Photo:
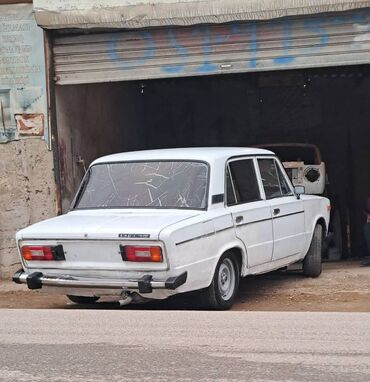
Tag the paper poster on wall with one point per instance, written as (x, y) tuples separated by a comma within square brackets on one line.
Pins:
[(23, 102)]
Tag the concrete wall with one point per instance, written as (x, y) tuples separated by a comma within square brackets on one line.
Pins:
[(27, 194)]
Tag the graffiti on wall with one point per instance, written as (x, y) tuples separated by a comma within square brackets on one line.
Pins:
[(253, 46), (23, 105)]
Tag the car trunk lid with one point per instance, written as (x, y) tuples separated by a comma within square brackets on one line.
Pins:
[(99, 225), (92, 240)]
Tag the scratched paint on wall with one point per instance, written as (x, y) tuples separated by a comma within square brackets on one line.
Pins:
[(312, 41), (23, 104)]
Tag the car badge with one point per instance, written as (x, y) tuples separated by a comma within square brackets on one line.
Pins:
[(133, 236)]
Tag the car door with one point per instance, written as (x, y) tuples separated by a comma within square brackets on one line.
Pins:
[(286, 209), (251, 214)]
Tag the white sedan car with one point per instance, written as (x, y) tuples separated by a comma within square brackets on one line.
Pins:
[(150, 224)]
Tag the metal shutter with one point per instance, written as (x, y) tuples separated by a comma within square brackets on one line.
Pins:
[(303, 42)]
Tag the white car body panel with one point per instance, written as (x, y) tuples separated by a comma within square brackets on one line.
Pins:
[(288, 226), (255, 230), (192, 241)]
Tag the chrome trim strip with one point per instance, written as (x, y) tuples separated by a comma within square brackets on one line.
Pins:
[(206, 235), (196, 238), (272, 218), (225, 229), (252, 222), (237, 225), (283, 216)]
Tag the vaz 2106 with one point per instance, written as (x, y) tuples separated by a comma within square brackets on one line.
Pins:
[(151, 224)]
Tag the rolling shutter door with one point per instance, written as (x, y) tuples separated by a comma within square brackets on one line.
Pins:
[(303, 42)]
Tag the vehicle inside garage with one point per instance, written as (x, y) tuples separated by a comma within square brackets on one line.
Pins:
[(326, 107)]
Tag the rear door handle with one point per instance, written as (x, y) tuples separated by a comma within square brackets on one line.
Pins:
[(239, 219), (276, 211)]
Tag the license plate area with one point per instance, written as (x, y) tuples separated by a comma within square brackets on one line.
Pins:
[(96, 255)]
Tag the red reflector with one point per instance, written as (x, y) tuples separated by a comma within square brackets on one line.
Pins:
[(40, 253), (141, 254)]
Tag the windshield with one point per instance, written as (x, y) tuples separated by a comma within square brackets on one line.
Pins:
[(167, 184)]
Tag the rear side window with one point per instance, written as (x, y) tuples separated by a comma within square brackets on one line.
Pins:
[(244, 178), (273, 179)]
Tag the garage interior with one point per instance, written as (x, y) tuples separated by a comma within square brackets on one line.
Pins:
[(327, 107)]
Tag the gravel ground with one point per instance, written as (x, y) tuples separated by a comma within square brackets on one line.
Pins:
[(342, 287)]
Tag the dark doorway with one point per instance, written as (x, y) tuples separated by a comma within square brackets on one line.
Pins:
[(326, 107)]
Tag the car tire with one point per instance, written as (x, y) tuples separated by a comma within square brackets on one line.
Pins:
[(312, 263), (83, 299), (221, 293)]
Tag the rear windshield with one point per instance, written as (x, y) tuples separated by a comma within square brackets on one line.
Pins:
[(167, 184)]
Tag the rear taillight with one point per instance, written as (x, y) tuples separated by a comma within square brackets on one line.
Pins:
[(141, 254), (42, 252)]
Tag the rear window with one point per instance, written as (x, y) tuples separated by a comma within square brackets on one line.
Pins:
[(161, 184)]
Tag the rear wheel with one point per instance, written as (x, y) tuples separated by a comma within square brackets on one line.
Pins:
[(83, 299), (224, 286), (312, 263)]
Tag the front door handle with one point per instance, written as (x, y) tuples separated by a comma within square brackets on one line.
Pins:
[(238, 219), (276, 211)]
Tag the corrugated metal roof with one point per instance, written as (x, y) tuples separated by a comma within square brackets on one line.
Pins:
[(86, 14)]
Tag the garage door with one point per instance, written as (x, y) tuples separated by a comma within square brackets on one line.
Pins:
[(301, 42)]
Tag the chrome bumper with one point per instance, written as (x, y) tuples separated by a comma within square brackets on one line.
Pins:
[(145, 284)]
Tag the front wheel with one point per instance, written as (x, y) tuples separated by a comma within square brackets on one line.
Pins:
[(312, 263), (224, 286), (82, 299)]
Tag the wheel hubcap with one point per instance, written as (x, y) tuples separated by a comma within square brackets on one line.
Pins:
[(226, 279)]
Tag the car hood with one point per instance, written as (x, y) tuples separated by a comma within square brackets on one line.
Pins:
[(102, 224)]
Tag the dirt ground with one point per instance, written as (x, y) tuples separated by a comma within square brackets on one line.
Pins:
[(342, 287)]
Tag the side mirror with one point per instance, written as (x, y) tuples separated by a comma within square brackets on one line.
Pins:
[(299, 190)]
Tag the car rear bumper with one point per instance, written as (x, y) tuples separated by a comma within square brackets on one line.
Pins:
[(145, 284)]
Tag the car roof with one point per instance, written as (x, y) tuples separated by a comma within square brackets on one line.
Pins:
[(207, 154)]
